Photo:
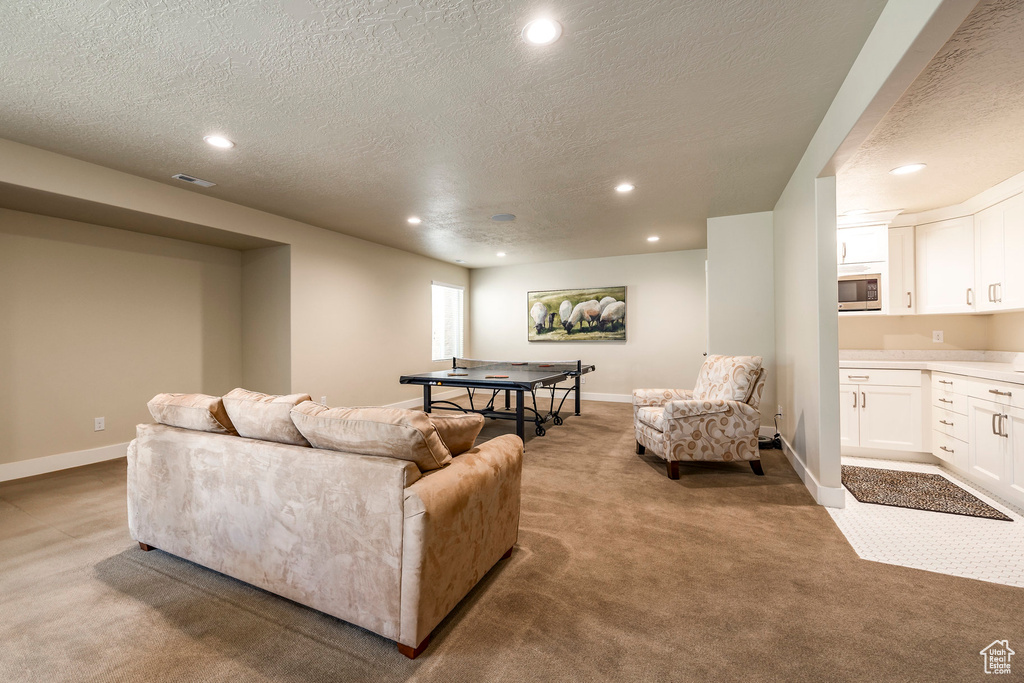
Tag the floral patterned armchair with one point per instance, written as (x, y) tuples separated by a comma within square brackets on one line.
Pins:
[(717, 421)]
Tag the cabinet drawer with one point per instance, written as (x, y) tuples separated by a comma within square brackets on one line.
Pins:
[(1003, 393), (950, 449), (954, 384), (952, 402), (889, 378), (950, 423)]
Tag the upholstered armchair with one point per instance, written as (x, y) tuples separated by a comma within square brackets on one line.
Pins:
[(717, 421)]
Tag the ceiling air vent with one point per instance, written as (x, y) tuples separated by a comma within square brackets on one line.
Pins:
[(193, 180)]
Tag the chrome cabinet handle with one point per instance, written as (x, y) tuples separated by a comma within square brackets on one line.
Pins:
[(991, 293), (854, 398), (844, 252), (1000, 393), (995, 419), (910, 300), (970, 296), (948, 450), (944, 381), (862, 377), (945, 400), (863, 400), (1003, 433), (999, 292), (943, 422)]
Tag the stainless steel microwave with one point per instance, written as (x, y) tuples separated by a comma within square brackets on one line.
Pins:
[(860, 292)]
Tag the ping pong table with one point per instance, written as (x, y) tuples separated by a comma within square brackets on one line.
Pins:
[(526, 379)]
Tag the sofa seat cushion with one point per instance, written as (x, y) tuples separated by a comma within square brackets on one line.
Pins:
[(388, 432), (198, 412), (652, 416), (264, 416), (458, 432)]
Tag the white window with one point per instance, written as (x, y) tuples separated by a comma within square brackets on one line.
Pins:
[(446, 335)]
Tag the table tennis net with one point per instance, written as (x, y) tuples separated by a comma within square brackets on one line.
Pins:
[(532, 366)]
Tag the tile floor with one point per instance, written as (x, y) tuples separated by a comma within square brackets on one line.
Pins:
[(972, 547)]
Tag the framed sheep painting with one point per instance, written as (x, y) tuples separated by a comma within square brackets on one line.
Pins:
[(562, 315)]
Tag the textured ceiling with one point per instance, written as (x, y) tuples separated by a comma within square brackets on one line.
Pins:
[(353, 116), (963, 116)]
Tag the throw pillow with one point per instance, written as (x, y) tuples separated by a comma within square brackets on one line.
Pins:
[(458, 432), (199, 412), (264, 416)]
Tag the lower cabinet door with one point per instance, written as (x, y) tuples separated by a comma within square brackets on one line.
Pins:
[(988, 449), (891, 418), (1015, 426), (849, 415)]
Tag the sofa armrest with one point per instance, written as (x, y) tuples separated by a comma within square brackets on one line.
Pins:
[(659, 397), (459, 521)]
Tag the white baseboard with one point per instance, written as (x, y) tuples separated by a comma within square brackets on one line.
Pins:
[(829, 496), (609, 398), (61, 461), (418, 402)]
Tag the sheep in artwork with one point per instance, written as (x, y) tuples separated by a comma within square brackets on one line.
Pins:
[(605, 302), (613, 315), (564, 311), (592, 312), (574, 319), (585, 311), (539, 313)]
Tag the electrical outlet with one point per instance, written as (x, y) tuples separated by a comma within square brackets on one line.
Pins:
[(583, 380), (937, 336), (99, 424), (778, 410), (323, 399)]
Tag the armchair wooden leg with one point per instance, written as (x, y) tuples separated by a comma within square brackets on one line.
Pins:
[(414, 652), (673, 469), (756, 466), (640, 448), (145, 547)]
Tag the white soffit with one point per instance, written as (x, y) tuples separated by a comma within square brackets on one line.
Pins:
[(963, 117), (353, 116)]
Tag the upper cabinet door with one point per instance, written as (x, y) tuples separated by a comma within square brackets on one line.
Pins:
[(866, 244), (1010, 291), (901, 271), (945, 266), (988, 256)]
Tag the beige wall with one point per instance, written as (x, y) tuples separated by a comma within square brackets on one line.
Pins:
[(665, 318), (266, 320), (892, 333), (741, 297), (97, 320), (1006, 332)]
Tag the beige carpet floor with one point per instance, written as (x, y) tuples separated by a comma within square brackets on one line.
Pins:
[(620, 574)]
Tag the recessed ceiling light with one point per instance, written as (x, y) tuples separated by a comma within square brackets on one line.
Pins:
[(414, 220), (501, 254), (855, 212), (625, 187), (219, 141), (909, 168), (653, 238), (542, 32), (503, 217)]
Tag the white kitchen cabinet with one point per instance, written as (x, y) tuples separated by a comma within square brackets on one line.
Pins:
[(880, 416), (989, 440), (1015, 421), (849, 415), (998, 253), (865, 244), (945, 266), (901, 271)]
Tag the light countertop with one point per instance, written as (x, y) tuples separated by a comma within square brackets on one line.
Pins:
[(998, 370)]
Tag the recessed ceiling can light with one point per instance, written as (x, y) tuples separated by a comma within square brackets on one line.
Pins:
[(503, 217), (458, 260), (625, 187), (909, 168), (414, 220), (501, 254), (653, 238), (219, 141), (542, 32)]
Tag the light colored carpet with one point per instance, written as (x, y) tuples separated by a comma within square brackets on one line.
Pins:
[(620, 574)]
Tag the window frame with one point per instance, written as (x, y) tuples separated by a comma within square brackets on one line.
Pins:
[(460, 341)]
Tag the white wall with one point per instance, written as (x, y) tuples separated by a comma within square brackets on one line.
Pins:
[(266, 320), (95, 321), (741, 297), (908, 33), (665, 318)]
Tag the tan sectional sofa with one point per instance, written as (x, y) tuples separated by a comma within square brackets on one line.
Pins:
[(370, 539)]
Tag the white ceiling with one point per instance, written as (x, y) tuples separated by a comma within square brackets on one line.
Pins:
[(963, 116), (353, 116)]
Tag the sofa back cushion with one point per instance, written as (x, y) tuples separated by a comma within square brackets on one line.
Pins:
[(199, 412), (264, 416), (458, 432), (727, 378), (389, 432)]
